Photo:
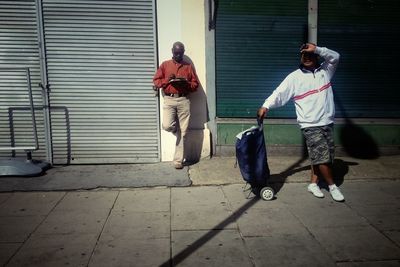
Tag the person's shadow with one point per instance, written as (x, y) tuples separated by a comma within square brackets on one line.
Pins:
[(199, 116), (356, 142), (339, 168)]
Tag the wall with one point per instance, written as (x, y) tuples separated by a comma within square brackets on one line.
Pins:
[(359, 138), (184, 20), (187, 21)]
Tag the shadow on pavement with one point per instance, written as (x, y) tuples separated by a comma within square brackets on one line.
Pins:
[(356, 142), (277, 180), (341, 169), (178, 258)]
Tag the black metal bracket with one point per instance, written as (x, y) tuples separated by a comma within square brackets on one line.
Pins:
[(212, 14)]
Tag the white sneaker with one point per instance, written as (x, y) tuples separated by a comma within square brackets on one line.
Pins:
[(335, 193), (314, 189)]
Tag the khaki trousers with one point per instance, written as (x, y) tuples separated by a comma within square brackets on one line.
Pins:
[(176, 120)]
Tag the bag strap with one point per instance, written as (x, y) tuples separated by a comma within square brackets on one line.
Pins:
[(260, 124)]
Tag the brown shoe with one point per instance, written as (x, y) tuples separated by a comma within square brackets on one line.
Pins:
[(178, 165)]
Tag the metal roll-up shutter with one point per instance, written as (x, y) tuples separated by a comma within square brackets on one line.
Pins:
[(257, 45), (18, 51), (101, 60), (365, 33)]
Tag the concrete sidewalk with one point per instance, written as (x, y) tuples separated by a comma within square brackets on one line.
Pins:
[(202, 226), (214, 171), (210, 223), (286, 169), (88, 177)]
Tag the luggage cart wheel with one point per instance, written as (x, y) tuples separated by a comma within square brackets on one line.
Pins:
[(267, 193)]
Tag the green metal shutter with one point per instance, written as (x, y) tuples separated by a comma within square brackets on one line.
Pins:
[(19, 50), (101, 60), (366, 34), (257, 45)]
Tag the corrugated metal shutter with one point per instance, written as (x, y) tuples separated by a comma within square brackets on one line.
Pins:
[(365, 33), (19, 49), (257, 44), (101, 60)]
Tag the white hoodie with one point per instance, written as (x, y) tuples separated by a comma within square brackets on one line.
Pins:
[(311, 91)]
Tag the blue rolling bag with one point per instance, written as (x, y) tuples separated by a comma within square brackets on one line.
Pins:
[(251, 156)]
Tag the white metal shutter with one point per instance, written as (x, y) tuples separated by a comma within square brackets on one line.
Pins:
[(19, 49), (101, 60)]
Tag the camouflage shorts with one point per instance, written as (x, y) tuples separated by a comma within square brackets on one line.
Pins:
[(320, 144)]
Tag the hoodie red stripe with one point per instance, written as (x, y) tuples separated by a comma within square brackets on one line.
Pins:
[(311, 92)]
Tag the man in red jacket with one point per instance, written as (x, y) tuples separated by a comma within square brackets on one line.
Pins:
[(178, 79)]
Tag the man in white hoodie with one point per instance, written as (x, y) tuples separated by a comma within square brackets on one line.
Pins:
[(311, 90)]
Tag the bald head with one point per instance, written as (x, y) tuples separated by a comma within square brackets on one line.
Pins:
[(178, 45), (178, 49)]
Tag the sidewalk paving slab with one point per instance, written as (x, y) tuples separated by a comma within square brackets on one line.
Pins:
[(144, 200), (191, 208), (222, 170), (390, 263), (55, 250), (210, 223), (65, 222), (17, 229), (299, 249), (7, 250), (30, 203), (128, 251), (355, 243), (87, 201), (196, 248), (295, 229), (137, 225), (87, 177)]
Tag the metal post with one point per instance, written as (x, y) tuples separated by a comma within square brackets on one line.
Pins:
[(44, 82), (312, 21), (28, 79)]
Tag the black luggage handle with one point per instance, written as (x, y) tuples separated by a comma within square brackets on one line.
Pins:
[(260, 123)]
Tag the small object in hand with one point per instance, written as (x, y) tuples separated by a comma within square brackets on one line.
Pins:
[(178, 80)]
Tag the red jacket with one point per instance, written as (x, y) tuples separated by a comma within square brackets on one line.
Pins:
[(179, 70)]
